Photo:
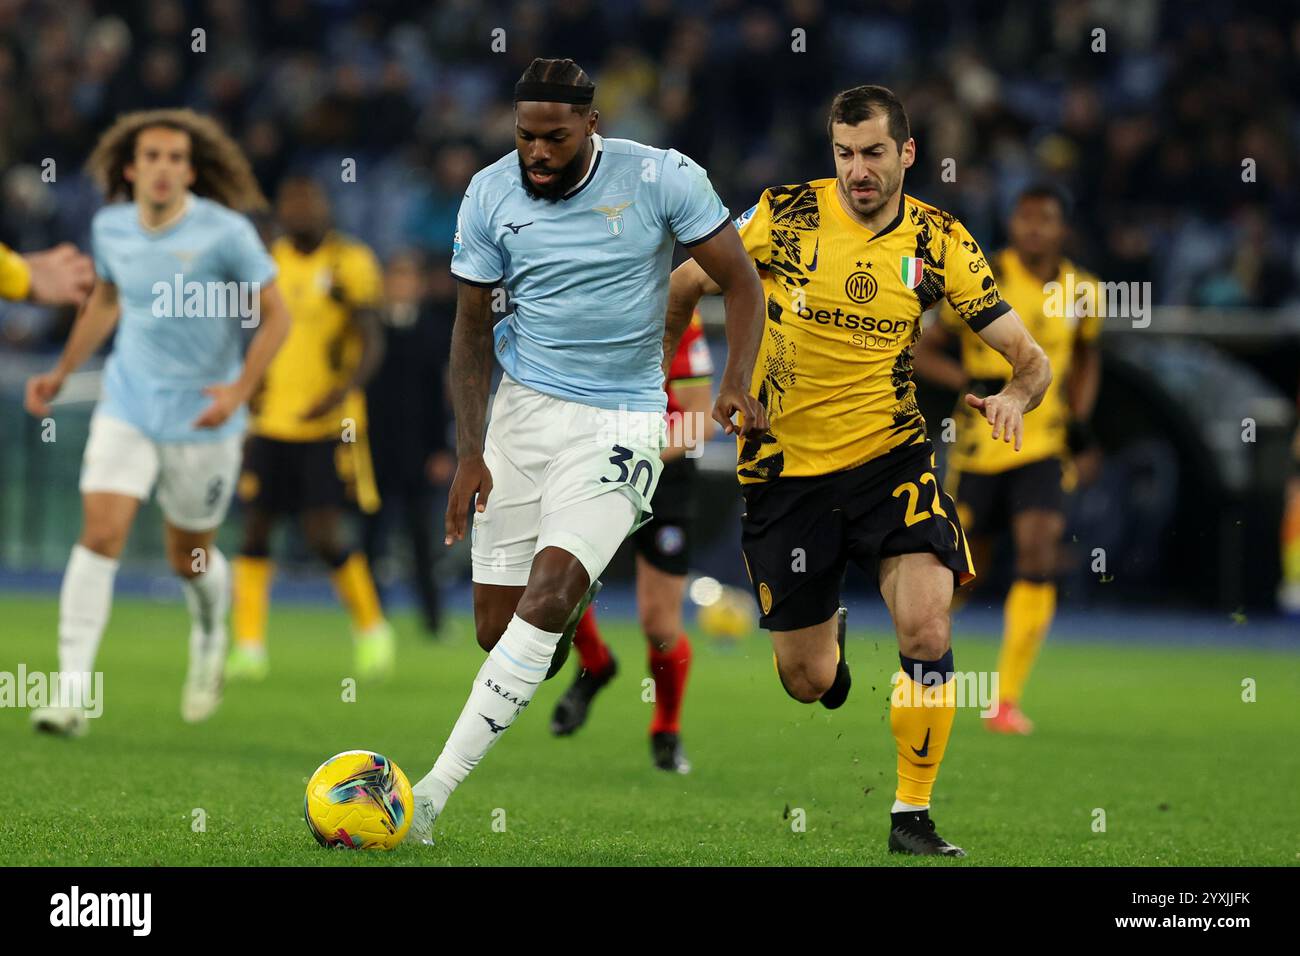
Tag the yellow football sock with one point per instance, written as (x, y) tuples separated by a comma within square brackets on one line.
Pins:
[(921, 718), (1026, 618), (252, 587), (356, 590)]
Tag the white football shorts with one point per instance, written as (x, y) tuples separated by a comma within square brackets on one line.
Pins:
[(564, 475), (195, 479)]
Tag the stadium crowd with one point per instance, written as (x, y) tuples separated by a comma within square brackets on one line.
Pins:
[(1147, 123)]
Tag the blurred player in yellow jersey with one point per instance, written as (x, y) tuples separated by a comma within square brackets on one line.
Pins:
[(306, 453), (993, 485)]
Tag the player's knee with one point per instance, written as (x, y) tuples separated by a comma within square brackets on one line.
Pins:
[(488, 632), (925, 637), (807, 680), (186, 563), (1036, 564), (547, 608), (256, 542), (659, 624), (327, 548), (104, 540)]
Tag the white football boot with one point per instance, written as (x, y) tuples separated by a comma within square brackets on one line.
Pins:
[(60, 721), (422, 819), (202, 692)]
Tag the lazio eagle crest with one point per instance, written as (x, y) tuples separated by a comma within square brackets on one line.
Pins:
[(613, 216)]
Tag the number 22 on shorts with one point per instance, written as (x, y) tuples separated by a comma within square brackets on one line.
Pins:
[(913, 493)]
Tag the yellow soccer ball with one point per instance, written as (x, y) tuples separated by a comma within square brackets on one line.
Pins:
[(359, 800)]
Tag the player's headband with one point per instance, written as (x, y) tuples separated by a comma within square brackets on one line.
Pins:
[(554, 93)]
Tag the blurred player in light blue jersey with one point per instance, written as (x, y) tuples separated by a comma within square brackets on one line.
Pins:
[(580, 231), (178, 274)]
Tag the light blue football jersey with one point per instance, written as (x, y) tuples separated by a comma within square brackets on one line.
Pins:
[(185, 292), (588, 275)]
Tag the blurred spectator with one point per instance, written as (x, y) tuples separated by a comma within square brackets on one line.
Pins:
[(1149, 131), (409, 416)]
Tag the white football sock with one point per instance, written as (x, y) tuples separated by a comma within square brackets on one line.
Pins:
[(207, 595), (504, 686), (901, 807), (85, 600)]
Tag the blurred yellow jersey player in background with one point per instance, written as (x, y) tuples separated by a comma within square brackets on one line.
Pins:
[(993, 485), (306, 453)]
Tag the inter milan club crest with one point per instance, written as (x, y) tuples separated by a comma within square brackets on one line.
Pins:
[(911, 269), (613, 217)]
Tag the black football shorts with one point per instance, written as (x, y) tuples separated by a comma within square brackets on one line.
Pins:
[(799, 533)]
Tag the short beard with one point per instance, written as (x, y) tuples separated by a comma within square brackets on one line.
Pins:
[(568, 178)]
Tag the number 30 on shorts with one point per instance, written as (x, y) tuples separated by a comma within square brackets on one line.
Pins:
[(913, 493), (619, 460)]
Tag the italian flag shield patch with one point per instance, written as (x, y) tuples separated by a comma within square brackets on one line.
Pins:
[(911, 269)]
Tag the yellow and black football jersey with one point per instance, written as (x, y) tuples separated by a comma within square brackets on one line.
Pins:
[(1057, 316), (834, 370), (321, 290)]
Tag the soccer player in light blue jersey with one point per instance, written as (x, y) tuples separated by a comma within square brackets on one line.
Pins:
[(179, 273), (580, 232)]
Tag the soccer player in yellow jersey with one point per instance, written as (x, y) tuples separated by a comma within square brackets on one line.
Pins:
[(306, 453), (991, 483), (848, 265), (59, 276)]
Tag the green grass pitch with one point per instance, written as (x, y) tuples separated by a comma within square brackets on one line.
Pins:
[(1157, 738)]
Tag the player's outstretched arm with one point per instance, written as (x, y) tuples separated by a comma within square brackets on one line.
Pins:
[(59, 276), (93, 325), (724, 259), (272, 329), (1031, 373), (470, 374)]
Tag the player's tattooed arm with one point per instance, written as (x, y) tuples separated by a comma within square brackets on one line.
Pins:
[(272, 329), (470, 376), (729, 268), (92, 327), (1031, 373)]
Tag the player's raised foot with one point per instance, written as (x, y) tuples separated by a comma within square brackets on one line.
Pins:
[(60, 721), (247, 663), (571, 709), (1009, 719), (570, 628), (912, 831), (376, 652), (666, 750), (838, 692)]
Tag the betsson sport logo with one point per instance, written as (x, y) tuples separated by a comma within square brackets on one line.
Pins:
[(74, 908)]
